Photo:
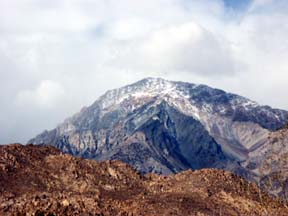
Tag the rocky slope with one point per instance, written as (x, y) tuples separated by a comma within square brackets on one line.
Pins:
[(39, 180), (270, 163), (165, 127)]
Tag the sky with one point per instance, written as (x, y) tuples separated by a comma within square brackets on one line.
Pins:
[(57, 56)]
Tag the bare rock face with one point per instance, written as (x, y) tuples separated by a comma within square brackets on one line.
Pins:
[(40, 180)]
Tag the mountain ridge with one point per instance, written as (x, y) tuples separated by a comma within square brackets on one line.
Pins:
[(40, 180)]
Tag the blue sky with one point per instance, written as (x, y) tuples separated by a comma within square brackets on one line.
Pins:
[(238, 4), (57, 56)]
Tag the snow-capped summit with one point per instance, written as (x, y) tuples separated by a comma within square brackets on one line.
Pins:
[(165, 126)]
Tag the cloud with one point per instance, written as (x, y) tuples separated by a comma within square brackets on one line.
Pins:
[(47, 94), (57, 56), (187, 47), (127, 28)]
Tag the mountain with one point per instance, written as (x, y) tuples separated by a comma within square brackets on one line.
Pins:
[(165, 127), (42, 181)]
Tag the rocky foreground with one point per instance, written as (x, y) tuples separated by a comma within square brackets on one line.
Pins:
[(40, 180)]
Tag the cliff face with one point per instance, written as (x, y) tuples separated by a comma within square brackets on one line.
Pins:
[(165, 127), (41, 180)]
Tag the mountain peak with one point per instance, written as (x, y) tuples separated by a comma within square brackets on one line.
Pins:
[(151, 83), (159, 83), (153, 79), (180, 94)]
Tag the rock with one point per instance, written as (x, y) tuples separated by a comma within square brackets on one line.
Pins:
[(112, 172), (114, 188), (65, 203)]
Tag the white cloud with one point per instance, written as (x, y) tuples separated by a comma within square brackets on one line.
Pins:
[(185, 47), (47, 94), (57, 56), (260, 3), (125, 29)]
